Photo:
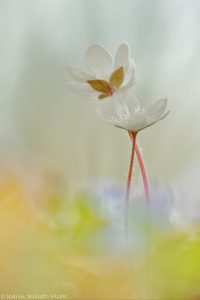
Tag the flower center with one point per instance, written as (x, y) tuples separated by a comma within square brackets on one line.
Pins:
[(105, 88)]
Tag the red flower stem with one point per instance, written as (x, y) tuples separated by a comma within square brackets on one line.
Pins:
[(128, 186), (144, 174), (143, 171)]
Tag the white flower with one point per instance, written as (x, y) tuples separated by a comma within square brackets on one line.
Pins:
[(125, 112), (105, 76)]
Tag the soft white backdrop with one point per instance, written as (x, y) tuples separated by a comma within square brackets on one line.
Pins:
[(59, 131)]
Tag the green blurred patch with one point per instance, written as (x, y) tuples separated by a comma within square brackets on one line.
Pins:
[(175, 264), (76, 222)]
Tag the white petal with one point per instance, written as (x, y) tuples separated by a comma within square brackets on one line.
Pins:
[(137, 122), (162, 117), (150, 122), (99, 61), (108, 118), (132, 102), (78, 75), (122, 56), (157, 109), (132, 64), (121, 107), (82, 89), (128, 85), (129, 74)]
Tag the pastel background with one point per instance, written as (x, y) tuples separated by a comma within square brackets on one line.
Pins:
[(63, 170), (45, 126)]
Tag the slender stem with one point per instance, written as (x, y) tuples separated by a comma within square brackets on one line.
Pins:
[(133, 138), (144, 174), (143, 171), (147, 196)]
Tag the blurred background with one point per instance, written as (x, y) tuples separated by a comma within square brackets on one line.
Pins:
[(49, 135), (54, 148)]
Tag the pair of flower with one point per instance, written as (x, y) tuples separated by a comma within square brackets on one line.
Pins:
[(115, 80), (106, 78)]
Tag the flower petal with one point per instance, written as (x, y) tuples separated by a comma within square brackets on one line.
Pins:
[(132, 64), (107, 118), (150, 122), (78, 75), (117, 78), (103, 96), (99, 61), (121, 107), (163, 116), (132, 102), (100, 85), (130, 73), (122, 56), (82, 89), (137, 122), (128, 85), (157, 109)]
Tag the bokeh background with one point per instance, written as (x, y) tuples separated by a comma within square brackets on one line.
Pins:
[(63, 171), (47, 131)]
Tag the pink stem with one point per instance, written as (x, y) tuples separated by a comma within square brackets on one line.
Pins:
[(143, 171), (133, 138), (144, 174)]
